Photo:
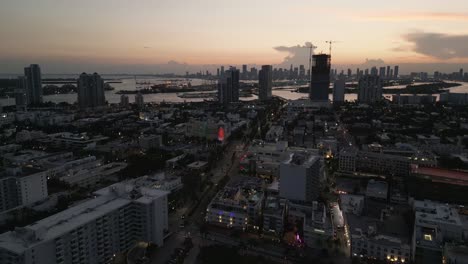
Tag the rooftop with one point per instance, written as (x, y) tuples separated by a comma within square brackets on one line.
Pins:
[(108, 199)]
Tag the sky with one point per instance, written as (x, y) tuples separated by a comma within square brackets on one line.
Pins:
[(161, 35)]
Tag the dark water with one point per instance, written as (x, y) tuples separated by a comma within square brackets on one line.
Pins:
[(128, 83)]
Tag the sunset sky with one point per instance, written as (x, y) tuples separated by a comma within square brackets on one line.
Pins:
[(145, 32)]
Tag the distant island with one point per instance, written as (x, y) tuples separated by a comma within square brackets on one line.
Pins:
[(168, 88), (427, 88)]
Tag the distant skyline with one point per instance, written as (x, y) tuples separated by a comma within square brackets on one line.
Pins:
[(118, 36)]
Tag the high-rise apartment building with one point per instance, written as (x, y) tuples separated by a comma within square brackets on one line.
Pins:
[(228, 87), (33, 84), (245, 72), (265, 82), (370, 89), (302, 73), (90, 91), (339, 90), (382, 72), (21, 94), (139, 100)]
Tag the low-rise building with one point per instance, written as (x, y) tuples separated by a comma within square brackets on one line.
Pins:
[(274, 215), (435, 224), (150, 141), (238, 205), (377, 190), (317, 226), (381, 239), (73, 141)]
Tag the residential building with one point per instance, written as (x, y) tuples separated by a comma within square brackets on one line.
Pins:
[(139, 100), (90, 91), (93, 231), (228, 87), (265, 82), (434, 225), (20, 186), (238, 205), (33, 84), (301, 175), (369, 89), (339, 90), (21, 94)]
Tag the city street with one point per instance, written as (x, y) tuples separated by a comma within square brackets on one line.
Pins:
[(225, 166)]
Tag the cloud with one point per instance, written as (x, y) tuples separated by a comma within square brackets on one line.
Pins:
[(400, 48), (441, 46), (297, 55), (412, 16), (373, 62), (147, 47)]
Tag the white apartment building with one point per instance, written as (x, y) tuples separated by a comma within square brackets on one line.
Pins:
[(93, 231), (21, 186), (352, 160), (70, 140), (301, 176)]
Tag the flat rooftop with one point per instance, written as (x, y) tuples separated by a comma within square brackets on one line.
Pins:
[(54, 226)]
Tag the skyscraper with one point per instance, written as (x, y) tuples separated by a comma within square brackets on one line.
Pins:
[(265, 82), (349, 73), (124, 101), (245, 73), (461, 74), (301, 72), (90, 91), (382, 72), (21, 94), (139, 100), (370, 89), (374, 71), (388, 72), (33, 83), (395, 72), (320, 81), (253, 73), (339, 90), (228, 87), (222, 71)]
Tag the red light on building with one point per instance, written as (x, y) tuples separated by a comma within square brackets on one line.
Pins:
[(221, 134)]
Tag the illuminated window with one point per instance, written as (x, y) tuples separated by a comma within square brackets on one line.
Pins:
[(428, 237)]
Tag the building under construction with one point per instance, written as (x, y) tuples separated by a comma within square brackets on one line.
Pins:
[(320, 81)]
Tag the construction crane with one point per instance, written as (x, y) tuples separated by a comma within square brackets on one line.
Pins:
[(311, 48), (330, 42)]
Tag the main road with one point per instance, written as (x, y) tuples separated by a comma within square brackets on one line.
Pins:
[(227, 165)]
